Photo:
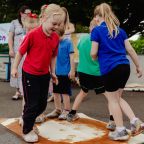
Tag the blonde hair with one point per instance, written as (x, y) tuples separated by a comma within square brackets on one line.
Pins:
[(67, 20), (43, 7), (92, 24), (104, 10), (67, 24), (55, 10)]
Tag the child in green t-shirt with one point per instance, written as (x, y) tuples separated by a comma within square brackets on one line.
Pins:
[(89, 76)]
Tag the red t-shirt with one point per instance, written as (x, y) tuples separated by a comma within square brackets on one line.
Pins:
[(40, 49)]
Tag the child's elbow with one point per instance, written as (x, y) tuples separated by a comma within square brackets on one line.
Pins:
[(93, 56)]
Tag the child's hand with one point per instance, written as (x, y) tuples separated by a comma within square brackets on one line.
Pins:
[(14, 73), (54, 78), (71, 75), (77, 81), (139, 72)]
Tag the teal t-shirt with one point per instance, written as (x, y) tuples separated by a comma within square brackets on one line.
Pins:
[(86, 64)]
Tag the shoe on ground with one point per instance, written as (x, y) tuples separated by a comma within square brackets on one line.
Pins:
[(137, 127), (111, 125), (31, 137), (54, 114), (40, 119), (63, 115), (116, 135), (72, 117), (16, 97)]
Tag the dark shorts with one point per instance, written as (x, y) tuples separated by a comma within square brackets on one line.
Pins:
[(64, 85), (117, 78), (91, 82)]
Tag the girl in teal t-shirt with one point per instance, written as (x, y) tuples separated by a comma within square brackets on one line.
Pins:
[(89, 76)]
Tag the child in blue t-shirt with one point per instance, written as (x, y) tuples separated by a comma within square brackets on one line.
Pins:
[(110, 44), (65, 71)]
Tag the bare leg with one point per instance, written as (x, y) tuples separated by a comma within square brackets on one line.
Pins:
[(18, 91), (114, 103), (126, 107), (58, 107), (109, 108), (57, 101), (66, 100), (79, 99)]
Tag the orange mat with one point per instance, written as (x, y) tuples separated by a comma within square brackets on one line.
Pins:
[(15, 128)]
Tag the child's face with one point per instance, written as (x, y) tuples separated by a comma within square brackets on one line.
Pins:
[(51, 24), (97, 19)]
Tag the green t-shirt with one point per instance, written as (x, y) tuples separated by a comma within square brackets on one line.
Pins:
[(86, 64)]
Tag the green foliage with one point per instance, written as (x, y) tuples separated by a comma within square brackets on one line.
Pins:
[(81, 29), (129, 12), (138, 45), (4, 49)]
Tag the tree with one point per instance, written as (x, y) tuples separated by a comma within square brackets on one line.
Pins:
[(129, 12)]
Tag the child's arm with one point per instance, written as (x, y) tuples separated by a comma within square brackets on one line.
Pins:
[(17, 60), (52, 68), (94, 50), (134, 57), (72, 66)]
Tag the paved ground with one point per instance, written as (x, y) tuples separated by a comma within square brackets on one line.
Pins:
[(94, 106), (133, 77)]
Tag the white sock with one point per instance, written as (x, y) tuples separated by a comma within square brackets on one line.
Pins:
[(119, 129), (133, 120)]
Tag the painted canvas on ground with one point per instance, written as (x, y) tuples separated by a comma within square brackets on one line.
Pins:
[(83, 131)]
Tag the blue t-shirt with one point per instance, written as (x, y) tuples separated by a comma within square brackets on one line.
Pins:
[(111, 51), (63, 58)]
